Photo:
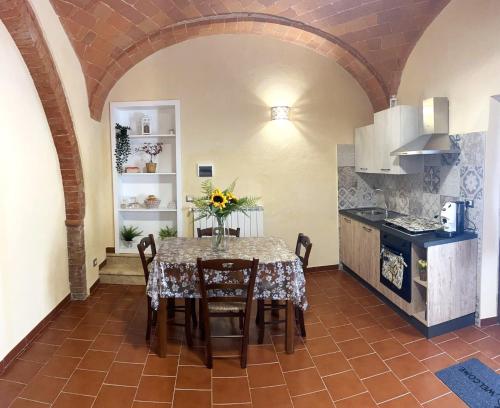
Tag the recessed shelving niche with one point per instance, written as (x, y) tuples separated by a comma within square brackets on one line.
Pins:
[(165, 184)]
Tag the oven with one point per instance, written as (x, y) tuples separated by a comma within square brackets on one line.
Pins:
[(395, 245)]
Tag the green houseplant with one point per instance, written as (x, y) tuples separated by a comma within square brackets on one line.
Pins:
[(167, 232), (128, 233), (153, 150), (122, 147)]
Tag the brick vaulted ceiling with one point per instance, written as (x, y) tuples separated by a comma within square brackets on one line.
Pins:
[(371, 39)]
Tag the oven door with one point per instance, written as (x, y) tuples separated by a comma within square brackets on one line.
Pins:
[(405, 290)]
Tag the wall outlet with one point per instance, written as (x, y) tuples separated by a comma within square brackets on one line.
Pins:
[(94, 262), (189, 199), (469, 203)]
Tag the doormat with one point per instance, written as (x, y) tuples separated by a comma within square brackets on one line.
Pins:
[(476, 384)]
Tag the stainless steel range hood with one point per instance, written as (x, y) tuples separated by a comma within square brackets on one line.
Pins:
[(435, 138)]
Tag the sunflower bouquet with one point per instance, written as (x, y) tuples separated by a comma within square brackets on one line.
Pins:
[(219, 204)]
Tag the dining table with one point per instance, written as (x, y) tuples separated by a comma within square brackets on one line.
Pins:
[(173, 274)]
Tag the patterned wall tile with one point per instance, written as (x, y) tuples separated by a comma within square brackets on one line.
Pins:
[(472, 149), (431, 205), (450, 159), (471, 182), (450, 181), (347, 177), (345, 155), (403, 201), (445, 198), (432, 179)]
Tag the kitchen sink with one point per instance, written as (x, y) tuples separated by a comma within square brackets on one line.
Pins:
[(374, 214), (371, 212)]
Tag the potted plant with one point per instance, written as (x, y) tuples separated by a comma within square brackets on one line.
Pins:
[(220, 204), (122, 147), (128, 233), (167, 232), (153, 150)]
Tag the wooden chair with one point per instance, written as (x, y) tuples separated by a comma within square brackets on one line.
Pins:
[(188, 309), (303, 242), (214, 303), (207, 232)]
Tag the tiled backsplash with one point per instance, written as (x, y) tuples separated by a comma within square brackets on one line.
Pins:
[(445, 178)]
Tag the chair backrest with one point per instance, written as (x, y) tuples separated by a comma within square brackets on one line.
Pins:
[(234, 271), (303, 241), (207, 232), (144, 244)]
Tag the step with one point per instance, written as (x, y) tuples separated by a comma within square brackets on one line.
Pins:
[(125, 269)]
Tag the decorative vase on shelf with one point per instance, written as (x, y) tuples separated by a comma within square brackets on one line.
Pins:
[(219, 241), (146, 125), (128, 244), (151, 167)]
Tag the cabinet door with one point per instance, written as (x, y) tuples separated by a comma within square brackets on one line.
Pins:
[(347, 242), (393, 128), (363, 149), (367, 241), (381, 134)]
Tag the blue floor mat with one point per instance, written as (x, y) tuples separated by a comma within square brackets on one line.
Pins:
[(476, 384)]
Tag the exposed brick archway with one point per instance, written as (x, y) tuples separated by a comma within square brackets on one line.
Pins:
[(371, 39), (20, 21), (282, 29)]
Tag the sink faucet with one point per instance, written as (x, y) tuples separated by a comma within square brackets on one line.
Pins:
[(379, 190)]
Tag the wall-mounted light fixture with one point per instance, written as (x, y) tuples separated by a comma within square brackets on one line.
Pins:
[(280, 113)]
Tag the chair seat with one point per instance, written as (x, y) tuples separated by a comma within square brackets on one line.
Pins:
[(226, 307)]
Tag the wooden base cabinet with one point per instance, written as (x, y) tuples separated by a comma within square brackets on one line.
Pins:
[(450, 289), (444, 301), (360, 249), (367, 251), (347, 247)]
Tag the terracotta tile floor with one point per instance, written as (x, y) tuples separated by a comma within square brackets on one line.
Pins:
[(358, 353)]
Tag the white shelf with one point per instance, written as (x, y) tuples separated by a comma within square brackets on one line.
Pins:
[(166, 183), (148, 136), (420, 282), (147, 209), (148, 174)]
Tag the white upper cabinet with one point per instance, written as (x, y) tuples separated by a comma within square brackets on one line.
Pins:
[(392, 128), (363, 147)]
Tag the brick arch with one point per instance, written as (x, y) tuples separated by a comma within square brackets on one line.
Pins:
[(101, 82), (371, 39), (19, 19)]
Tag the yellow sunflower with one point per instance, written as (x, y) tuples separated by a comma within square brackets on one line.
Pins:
[(218, 199), (231, 197)]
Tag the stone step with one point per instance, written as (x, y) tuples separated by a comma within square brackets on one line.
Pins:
[(125, 269)]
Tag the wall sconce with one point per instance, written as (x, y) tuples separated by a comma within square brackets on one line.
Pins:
[(280, 113)]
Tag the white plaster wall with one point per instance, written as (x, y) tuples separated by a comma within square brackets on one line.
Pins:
[(458, 56), (226, 86), (33, 250), (491, 221)]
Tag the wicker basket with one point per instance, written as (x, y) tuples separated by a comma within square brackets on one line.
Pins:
[(152, 202)]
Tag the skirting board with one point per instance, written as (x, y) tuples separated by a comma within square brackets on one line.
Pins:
[(428, 332), (490, 321), (322, 268), (32, 335)]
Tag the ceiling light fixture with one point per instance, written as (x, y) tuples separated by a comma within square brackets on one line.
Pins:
[(280, 113)]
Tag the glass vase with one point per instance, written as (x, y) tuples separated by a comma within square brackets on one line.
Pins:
[(219, 239)]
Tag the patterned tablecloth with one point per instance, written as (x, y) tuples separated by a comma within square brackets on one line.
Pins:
[(173, 271)]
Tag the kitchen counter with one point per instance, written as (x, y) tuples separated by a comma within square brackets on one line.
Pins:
[(422, 240)]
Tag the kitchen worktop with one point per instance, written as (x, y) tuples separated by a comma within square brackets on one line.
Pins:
[(424, 240)]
